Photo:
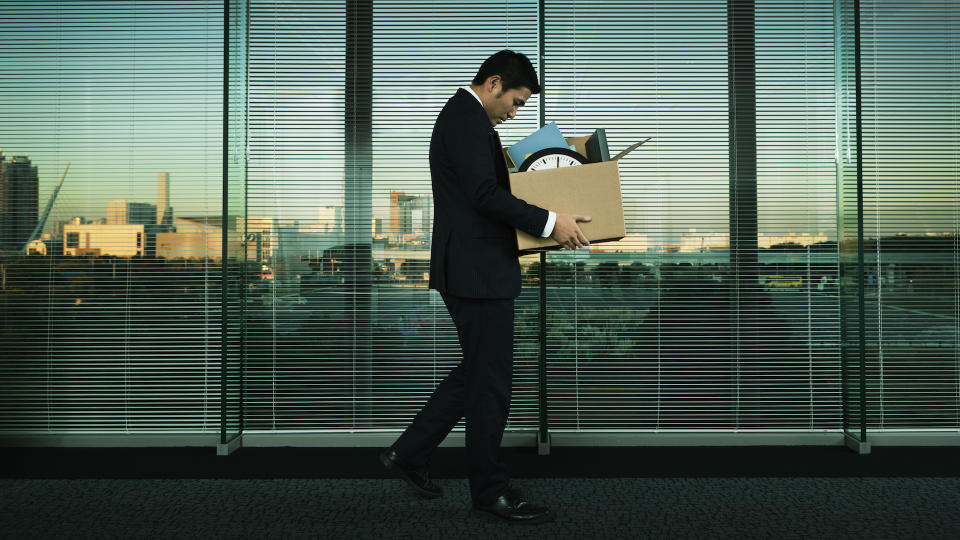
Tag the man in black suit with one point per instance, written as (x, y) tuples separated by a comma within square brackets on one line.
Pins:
[(474, 266)]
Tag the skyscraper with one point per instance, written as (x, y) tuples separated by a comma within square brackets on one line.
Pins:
[(19, 183), (164, 212), (123, 212), (421, 212), (401, 219), (330, 219)]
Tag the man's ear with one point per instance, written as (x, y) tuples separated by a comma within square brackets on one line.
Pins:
[(492, 82)]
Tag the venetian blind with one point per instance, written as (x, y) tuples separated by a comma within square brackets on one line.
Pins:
[(656, 331), (422, 54), (343, 97), (111, 318), (911, 164), (299, 347)]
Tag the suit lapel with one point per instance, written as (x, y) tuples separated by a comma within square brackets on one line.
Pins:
[(501, 164)]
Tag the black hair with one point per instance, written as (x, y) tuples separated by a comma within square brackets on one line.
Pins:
[(514, 69)]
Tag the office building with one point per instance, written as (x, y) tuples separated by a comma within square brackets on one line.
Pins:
[(99, 239), (400, 218), (163, 210), (123, 212), (19, 182), (196, 238), (410, 214)]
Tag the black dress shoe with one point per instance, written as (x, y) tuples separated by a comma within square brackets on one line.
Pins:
[(512, 507), (415, 476)]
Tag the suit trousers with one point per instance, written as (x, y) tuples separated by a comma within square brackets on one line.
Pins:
[(478, 389)]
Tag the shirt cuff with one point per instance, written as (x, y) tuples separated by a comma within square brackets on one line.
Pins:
[(551, 221)]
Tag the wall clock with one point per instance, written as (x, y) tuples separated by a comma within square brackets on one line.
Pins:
[(551, 158)]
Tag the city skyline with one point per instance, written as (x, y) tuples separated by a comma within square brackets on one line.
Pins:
[(386, 214), (149, 100)]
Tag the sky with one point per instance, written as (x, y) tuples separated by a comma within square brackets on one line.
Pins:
[(124, 90)]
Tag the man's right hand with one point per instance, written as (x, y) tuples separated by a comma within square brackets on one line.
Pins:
[(567, 233)]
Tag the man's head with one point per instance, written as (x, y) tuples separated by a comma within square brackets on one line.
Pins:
[(504, 83)]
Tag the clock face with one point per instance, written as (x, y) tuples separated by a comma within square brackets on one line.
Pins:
[(551, 158)]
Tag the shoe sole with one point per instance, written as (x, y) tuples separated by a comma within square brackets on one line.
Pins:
[(490, 516), (418, 491)]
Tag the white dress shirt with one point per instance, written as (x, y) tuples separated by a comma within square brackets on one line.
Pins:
[(552, 218)]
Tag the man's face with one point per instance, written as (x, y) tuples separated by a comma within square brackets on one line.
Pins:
[(504, 105)]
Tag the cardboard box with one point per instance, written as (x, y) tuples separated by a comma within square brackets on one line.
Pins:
[(592, 190)]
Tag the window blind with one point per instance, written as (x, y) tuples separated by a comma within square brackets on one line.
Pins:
[(794, 382), (413, 78), (314, 182), (629, 346), (112, 315), (911, 143), (299, 345), (314, 360), (648, 333), (664, 369)]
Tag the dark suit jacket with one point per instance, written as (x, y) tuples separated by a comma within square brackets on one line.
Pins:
[(474, 250)]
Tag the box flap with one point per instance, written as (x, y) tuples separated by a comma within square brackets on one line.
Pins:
[(630, 148), (506, 157)]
